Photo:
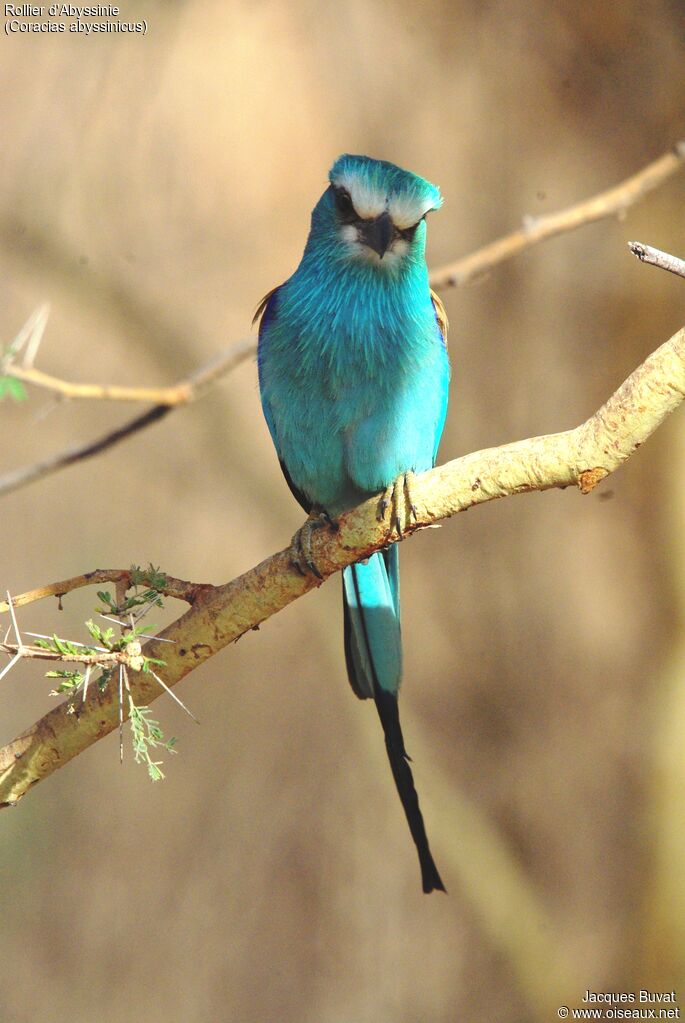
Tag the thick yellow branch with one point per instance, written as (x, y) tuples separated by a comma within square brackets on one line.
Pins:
[(219, 616)]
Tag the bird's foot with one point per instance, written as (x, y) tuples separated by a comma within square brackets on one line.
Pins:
[(303, 559), (397, 498)]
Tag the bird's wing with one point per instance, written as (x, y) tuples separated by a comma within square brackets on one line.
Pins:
[(443, 325), (263, 317), (440, 315), (262, 314), (261, 308)]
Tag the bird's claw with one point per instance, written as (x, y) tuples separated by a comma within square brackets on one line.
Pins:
[(303, 558), (398, 497)]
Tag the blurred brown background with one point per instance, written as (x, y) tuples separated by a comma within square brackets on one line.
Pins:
[(152, 189)]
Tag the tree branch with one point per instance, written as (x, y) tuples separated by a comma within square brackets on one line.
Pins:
[(664, 260), (185, 392), (182, 393), (581, 457), (178, 588), (615, 201), (106, 657), (78, 452)]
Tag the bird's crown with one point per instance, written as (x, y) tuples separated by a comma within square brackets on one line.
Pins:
[(376, 186)]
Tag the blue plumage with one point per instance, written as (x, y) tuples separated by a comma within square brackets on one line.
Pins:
[(354, 374)]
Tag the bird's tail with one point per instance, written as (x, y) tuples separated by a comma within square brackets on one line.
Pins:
[(373, 651)]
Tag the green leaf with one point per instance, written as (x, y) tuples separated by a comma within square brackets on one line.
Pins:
[(71, 681), (61, 645), (104, 679), (10, 387), (147, 735), (106, 599), (149, 661), (94, 630), (152, 577)]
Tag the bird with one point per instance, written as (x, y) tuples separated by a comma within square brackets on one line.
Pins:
[(354, 373)]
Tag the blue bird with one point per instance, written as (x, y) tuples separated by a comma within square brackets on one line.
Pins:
[(354, 374)]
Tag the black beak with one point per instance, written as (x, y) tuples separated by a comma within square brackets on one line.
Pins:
[(378, 233)]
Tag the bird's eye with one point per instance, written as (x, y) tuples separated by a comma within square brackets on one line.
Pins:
[(408, 232), (343, 201)]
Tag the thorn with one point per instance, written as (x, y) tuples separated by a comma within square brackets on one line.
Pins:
[(24, 335), (40, 635), (173, 695), (108, 618), (40, 319), (9, 666), (121, 714), (14, 618), (86, 681)]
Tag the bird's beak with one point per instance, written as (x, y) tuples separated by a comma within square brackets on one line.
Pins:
[(378, 233)]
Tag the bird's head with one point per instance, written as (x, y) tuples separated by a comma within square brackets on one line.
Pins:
[(374, 212)]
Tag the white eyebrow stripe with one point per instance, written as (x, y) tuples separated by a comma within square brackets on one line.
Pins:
[(368, 202), (405, 210)]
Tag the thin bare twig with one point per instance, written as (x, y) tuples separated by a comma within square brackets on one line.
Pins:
[(178, 588), (28, 474), (186, 392), (655, 257), (581, 457), (182, 393), (614, 202)]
